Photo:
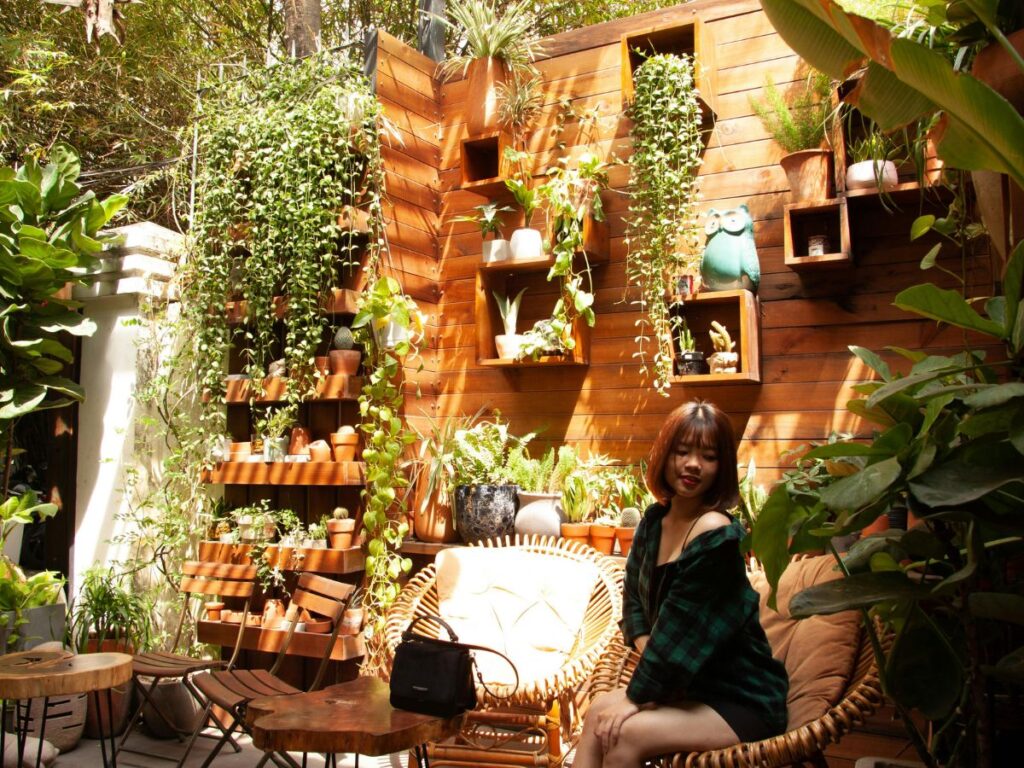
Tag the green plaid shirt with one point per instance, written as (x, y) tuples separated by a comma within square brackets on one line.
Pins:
[(706, 641)]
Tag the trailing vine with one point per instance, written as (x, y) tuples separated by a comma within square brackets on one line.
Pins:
[(662, 232), (282, 151)]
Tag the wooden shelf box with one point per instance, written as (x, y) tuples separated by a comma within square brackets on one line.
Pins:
[(801, 221), (287, 473), (693, 38), (738, 311), (484, 167)]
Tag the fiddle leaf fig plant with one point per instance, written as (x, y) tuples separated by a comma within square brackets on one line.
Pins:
[(662, 231)]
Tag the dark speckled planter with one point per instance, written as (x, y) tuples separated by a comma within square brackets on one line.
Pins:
[(484, 511)]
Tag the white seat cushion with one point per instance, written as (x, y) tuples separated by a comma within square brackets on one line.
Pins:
[(528, 605)]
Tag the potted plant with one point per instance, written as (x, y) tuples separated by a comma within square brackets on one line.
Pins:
[(577, 505), (509, 342), (344, 443), (272, 428), (316, 535), (344, 357), (629, 519), (724, 359), (494, 44), (800, 123), (488, 219), (690, 361), (289, 527), (340, 529), (540, 489), (224, 533), (872, 163), (485, 500), (527, 243), (393, 319)]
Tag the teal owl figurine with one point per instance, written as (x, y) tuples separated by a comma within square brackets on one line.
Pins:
[(730, 254)]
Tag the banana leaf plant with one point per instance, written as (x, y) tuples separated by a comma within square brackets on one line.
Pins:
[(950, 446), (48, 239)]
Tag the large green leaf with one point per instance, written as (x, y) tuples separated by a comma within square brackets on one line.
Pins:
[(945, 306), (922, 671), (998, 606), (771, 534), (856, 491), (960, 479), (25, 400), (858, 590), (995, 395), (64, 386)]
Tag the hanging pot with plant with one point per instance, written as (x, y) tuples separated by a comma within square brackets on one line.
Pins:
[(527, 243)]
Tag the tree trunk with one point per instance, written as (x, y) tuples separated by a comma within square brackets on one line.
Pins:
[(301, 27)]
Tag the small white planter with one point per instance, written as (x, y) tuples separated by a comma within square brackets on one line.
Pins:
[(527, 244), (390, 335), (496, 250), (872, 174), (275, 448), (508, 345)]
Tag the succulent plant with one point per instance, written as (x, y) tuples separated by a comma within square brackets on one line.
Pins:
[(340, 513), (630, 517), (343, 338)]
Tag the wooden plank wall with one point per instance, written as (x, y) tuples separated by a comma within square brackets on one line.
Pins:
[(807, 322)]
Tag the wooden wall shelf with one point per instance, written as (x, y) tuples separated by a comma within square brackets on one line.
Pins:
[(287, 473), (691, 37), (333, 387), (330, 561), (342, 302), (308, 644), (738, 311), (823, 217), (484, 168)]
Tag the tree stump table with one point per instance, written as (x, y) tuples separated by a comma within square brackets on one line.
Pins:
[(356, 716), (41, 674)]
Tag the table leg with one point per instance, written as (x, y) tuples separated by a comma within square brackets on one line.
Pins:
[(110, 725), (42, 730), (3, 728), (21, 726)]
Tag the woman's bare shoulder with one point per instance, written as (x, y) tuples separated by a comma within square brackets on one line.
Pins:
[(710, 521)]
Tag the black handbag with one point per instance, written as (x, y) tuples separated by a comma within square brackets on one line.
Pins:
[(434, 676)]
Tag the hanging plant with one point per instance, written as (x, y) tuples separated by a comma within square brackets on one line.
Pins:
[(662, 232), (281, 152), (389, 325)]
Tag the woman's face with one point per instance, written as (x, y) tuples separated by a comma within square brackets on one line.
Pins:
[(690, 469)]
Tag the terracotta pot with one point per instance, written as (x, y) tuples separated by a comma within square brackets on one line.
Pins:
[(299, 444), (213, 610), (240, 451), (810, 174), (351, 621), (602, 538), (576, 532), (482, 109), (339, 533), (319, 450), (345, 361), (624, 536), (994, 67), (345, 446), (322, 363), (319, 626), (432, 520), (273, 612), (881, 524)]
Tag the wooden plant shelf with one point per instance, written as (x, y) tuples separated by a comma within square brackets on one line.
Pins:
[(341, 302), (483, 164), (821, 217), (309, 644), (691, 37), (738, 311), (287, 473), (336, 562), (333, 387)]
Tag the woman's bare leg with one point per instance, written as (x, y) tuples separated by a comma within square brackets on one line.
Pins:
[(589, 753)]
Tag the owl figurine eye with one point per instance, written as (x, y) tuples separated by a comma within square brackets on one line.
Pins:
[(734, 221), (713, 224)]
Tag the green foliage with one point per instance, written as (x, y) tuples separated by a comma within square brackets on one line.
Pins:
[(480, 453), (534, 475), (487, 32), (435, 457), (752, 496), (488, 218), (48, 238), (950, 447), (686, 341), (662, 231), (801, 118), (519, 101), (109, 609), (509, 310), (281, 152), (875, 145), (526, 197), (276, 421)]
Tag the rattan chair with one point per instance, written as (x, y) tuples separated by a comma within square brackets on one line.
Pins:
[(155, 667), (809, 731), (538, 721), (231, 690)]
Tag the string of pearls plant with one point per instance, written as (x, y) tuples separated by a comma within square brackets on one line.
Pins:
[(662, 232)]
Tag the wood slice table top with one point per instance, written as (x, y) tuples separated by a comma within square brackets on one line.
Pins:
[(34, 674), (356, 716)]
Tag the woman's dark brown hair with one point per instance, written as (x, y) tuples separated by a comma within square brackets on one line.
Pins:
[(703, 424)]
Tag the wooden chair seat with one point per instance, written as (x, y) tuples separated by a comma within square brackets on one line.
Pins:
[(230, 688), (162, 664)]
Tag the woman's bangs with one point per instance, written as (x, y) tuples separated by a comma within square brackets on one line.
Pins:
[(699, 432)]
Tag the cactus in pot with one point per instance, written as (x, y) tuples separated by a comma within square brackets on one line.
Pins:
[(340, 529), (344, 357)]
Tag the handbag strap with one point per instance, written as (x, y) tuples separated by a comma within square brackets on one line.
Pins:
[(408, 634)]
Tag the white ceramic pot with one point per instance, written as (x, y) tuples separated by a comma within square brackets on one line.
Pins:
[(508, 345), (275, 448), (526, 244), (496, 250), (391, 334), (869, 174), (539, 514)]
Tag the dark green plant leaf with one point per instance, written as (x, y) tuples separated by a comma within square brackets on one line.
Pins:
[(930, 301), (995, 395), (857, 490), (771, 533), (1009, 669), (997, 605), (858, 590), (873, 361), (922, 672), (957, 481), (921, 226), (858, 559)]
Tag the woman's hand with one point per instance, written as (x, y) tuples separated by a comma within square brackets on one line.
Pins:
[(641, 642), (611, 718)]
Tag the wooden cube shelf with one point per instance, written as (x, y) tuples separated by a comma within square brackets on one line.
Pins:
[(693, 38), (286, 473), (317, 560), (483, 164), (511, 277), (801, 221), (738, 311), (331, 387)]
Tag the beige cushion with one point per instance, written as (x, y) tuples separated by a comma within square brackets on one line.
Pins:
[(819, 652), (528, 605)]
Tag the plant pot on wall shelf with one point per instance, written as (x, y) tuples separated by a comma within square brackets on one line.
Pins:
[(482, 78), (810, 173), (738, 311)]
